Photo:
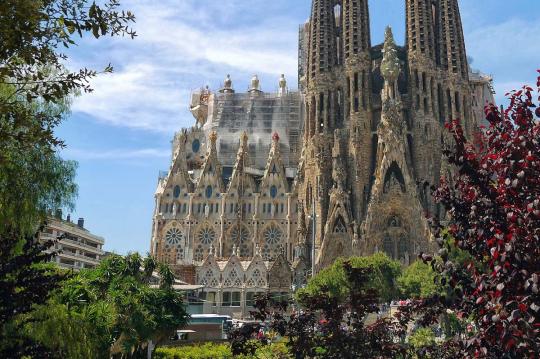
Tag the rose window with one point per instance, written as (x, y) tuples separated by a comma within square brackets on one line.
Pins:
[(273, 235), (239, 235), (174, 236), (207, 236)]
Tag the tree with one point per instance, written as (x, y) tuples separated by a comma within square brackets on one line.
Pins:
[(494, 211), (114, 309), (418, 281), (331, 326), (31, 63), (35, 92), (383, 273)]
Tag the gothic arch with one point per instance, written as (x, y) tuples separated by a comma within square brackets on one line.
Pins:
[(233, 274), (339, 226), (394, 173), (209, 274)]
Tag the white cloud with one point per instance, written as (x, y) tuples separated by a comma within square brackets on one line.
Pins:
[(179, 48)]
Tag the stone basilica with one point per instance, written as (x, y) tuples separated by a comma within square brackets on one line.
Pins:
[(269, 185)]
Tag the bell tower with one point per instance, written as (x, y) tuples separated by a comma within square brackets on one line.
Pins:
[(425, 122), (358, 99)]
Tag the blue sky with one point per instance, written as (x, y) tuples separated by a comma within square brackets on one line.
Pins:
[(121, 134)]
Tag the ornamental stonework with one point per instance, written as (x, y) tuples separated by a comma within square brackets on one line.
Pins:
[(340, 167)]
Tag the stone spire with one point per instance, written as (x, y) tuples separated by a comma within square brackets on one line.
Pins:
[(390, 67), (453, 56), (240, 181), (356, 29), (323, 38), (420, 30)]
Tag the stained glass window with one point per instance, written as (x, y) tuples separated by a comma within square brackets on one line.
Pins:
[(273, 235), (174, 236), (196, 145), (209, 191), (176, 191), (273, 191), (206, 236)]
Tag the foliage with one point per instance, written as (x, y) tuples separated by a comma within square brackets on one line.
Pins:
[(31, 62), (383, 273), (24, 280), (330, 326), (422, 337), (418, 281), (494, 209), (35, 92), (114, 307), (221, 351), (422, 341), (204, 351)]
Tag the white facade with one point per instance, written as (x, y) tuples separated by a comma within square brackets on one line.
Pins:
[(78, 247)]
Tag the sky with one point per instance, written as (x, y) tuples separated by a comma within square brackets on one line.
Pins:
[(121, 134)]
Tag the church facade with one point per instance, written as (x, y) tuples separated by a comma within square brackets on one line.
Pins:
[(267, 187)]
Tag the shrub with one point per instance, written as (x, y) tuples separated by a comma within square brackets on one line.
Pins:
[(221, 351), (203, 351)]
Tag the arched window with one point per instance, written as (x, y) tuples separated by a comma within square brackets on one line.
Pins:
[(339, 226), (233, 279)]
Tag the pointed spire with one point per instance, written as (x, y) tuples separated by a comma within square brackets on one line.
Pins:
[(390, 66), (420, 29), (355, 27), (453, 56), (323, 38), (239, 180), (210, 178)]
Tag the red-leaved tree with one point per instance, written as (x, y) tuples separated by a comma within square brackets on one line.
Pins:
[(493, 207)]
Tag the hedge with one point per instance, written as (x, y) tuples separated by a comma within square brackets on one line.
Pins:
[(219, 351)]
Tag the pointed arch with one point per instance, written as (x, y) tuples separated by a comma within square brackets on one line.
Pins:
[(339, 226), (393, 174), (233, 274)]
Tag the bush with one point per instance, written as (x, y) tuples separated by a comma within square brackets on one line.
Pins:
[(220, 351), (383, 274), (203, 351)]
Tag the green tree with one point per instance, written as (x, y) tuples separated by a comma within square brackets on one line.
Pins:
[(333, 279), (35, 92), (114, 309), (418, 281)]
